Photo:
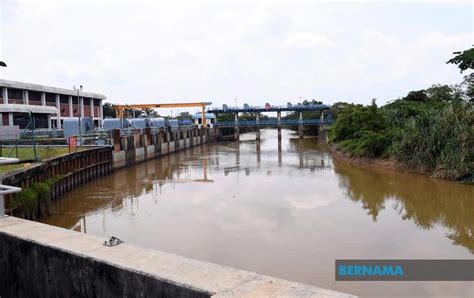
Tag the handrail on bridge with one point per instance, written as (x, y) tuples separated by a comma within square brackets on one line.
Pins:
[(247, 108), (274, 122)]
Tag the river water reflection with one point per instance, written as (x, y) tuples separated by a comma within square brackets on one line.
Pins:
[(285, 210)]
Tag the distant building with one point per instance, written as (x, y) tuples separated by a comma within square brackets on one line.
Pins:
[(49, 105), (210, 119)]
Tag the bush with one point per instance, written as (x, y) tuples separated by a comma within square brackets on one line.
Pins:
[(370, 144), (27, 199), (439, 141), (42, 190)]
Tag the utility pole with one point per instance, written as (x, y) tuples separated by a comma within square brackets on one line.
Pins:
[(79, 114)]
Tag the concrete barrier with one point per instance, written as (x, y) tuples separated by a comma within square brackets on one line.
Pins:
[(139, 147), (41, 260)]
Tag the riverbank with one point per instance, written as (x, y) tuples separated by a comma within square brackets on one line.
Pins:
[(386, 164)]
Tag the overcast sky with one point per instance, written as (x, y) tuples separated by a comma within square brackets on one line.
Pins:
[(257, 52)]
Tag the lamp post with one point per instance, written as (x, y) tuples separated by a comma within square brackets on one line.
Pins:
[(79, 114)]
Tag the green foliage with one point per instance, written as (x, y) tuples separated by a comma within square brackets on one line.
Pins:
[(440, 92), (419, 95), (464, 60), (433, 134), (467, 87), (439, 141), (184, 116), (42, 189), (361, 131), (108, 110), (369, 144), (27, 199)]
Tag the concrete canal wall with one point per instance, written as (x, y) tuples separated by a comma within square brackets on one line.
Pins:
[(46, 261), (140, 147), (67, 172)]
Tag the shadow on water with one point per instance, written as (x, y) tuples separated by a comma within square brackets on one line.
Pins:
[(427, 202)]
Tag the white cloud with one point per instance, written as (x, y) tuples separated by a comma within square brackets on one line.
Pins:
[(310, 40), (256, 51)]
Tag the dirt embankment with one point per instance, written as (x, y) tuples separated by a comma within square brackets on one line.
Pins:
[(388, 164)]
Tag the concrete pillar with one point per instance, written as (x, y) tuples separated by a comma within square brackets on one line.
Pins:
[(279, 124), (322, 127), (5, 95), (300, 126), (258, 153), (1, 119), (92, 108), (168, 137), (100, 112), (81, 106), (26, 97), (49, 121), (71, 109), (257, 135), (10, 119), (58, 115), (279, 153), (43, 98)]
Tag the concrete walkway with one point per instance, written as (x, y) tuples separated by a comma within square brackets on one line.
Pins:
[(38, 258)]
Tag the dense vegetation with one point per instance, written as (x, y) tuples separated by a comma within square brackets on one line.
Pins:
[(428, 130)]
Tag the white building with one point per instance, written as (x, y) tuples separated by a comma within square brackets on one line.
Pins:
[(210, 119), (49, 105)]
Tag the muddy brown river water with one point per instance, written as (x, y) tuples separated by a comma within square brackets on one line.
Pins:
[(285, 210)]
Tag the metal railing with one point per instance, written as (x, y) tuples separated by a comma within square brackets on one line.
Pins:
[(251, 109), (5, 190), (274, 122)]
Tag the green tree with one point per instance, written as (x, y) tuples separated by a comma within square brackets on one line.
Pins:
[(441, 92), (184, 116), (464, 60), (108, 110), (419, 95)]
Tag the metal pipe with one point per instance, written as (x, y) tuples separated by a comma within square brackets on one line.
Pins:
[(5, 190)]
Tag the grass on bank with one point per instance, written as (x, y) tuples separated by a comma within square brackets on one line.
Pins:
[(26, 154)]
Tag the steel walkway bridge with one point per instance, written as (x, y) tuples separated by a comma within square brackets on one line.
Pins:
[(259, 109), (274, 122), (226, 126)]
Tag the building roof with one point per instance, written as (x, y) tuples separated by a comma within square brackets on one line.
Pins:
[(48, 89), (208, 116), (16, 108)]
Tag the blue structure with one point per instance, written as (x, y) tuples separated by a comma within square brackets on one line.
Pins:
[(278, 122), (114, 123), (258, 109), (274, 122), (71, 126), (210, 119)]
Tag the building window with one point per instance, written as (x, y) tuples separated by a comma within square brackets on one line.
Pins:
[(15, 96), (5, 119), (22, 120), (34, 98), (51, 99), (64, 99)]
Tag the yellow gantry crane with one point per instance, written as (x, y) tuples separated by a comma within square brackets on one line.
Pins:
[(120, 109)]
